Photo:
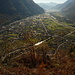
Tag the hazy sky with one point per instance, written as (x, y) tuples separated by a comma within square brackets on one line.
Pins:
[(47, 1)]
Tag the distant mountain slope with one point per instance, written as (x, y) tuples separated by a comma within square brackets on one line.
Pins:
[(47, 6), (11, 10), (69, 10), (57, 7), (63, 5)]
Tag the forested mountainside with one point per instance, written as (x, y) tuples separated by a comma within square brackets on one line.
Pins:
[(63, 5), (11, 10), (69, 10)]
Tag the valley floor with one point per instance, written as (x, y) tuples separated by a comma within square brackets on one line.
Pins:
[(38, 45)]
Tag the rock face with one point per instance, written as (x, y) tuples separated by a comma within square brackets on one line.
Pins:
[(11, 10)]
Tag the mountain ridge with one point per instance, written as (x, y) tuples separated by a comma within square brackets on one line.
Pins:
[(17, 9), (69, 10), (47, 6)]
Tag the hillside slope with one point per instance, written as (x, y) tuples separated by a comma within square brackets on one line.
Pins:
[(63, 5), (69, 10), (11, 10)]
